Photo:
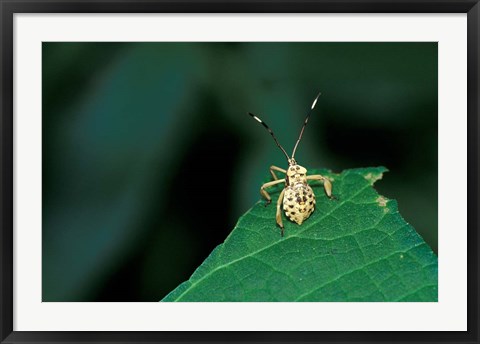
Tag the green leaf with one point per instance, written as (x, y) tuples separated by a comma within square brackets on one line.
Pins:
[(356, 247)]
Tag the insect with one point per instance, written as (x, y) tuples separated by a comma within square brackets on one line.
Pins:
[(297, 197)]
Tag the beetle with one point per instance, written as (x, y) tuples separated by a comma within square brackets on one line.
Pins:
[(297, 196)]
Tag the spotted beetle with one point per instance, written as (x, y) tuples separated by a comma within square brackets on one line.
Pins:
[(297, 197)]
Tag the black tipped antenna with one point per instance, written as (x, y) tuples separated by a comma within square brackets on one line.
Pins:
[(270, 131), (305, 123)]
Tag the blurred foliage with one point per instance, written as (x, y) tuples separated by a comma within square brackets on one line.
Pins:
[(149, 157), (354, 247)]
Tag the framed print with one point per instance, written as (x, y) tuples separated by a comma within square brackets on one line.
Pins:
[(146, 199)]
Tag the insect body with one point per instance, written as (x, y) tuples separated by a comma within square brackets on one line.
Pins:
[(297, 198)]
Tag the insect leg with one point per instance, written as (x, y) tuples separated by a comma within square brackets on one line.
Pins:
[(275, 168), (327, 185), (267, 185), (278, 217)]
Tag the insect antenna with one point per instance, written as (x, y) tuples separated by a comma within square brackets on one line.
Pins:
[(305, 123), (271, 133)]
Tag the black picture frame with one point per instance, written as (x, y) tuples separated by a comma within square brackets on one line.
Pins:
[(10, 7)]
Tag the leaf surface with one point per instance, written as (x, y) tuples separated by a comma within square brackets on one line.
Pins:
[(356, 247)]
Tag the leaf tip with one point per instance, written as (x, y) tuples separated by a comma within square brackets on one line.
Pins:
[(375, 174)]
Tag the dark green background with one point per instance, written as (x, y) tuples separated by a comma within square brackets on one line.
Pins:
[(149, 157)]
